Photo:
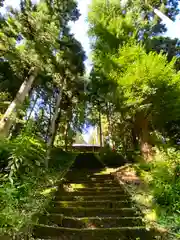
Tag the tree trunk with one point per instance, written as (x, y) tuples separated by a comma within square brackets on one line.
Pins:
[(66, 135), (34, 104), (10, 114), (109, 126), (56, 125), (49, 123), (69, 120), (144, 137), (100, 129), (135, 143), (53, 129)]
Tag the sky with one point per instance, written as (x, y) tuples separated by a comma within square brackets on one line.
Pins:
[(80, 28)]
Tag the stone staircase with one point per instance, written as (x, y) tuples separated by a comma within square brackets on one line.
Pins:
[(89, 205)]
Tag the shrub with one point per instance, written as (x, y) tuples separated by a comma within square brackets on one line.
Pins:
[(22, 200), (21, 156), (163, 177), (166, 181), (23, 179), (111, 158)]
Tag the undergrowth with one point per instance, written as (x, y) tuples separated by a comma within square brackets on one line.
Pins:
[(25, 184), (111, 158), (162, 182)]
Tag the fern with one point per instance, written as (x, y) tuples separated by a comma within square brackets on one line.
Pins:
[(24, 155)]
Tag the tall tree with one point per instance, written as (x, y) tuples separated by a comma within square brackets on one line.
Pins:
[(73, 58), (112, 23), (1, 3), (38, 29), (111, 26), (79, 139), (151, 90)]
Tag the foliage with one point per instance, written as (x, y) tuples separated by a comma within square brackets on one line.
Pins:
[(45, 44), (165, 180), (21, 197), (33, 37), (21, 202), (134, 76), (61, 159), (168, 46), (24, 178), (145, 83), (113, 23), (22, 167), (111, 158), (79, 139), (162, 176), (24, 155)]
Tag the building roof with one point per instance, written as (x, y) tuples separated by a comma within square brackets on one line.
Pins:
[(85, 145)]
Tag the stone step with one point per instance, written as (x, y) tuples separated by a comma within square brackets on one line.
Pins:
[(89, 193), (98, 189), (84, 171), (89, 184), (91, 206), (122, 233), (87, 175), (90, 181), (105, 222), (102, 176), (93, 212), (77, 174), (111, 197), (102, 203)]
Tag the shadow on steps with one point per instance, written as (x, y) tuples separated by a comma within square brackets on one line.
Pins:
[(88, 161)]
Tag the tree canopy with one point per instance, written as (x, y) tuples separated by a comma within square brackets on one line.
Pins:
[(134, 73)]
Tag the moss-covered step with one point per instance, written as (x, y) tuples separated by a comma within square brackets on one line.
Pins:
[(90, 178), (90, 184), (91, 206), (111, 197), (95, 222), (122, 233), (102, 204), (99, 189), (93, 212), (84, 171), (77, 174), (86, 174), (89, 193), (103, 176)]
